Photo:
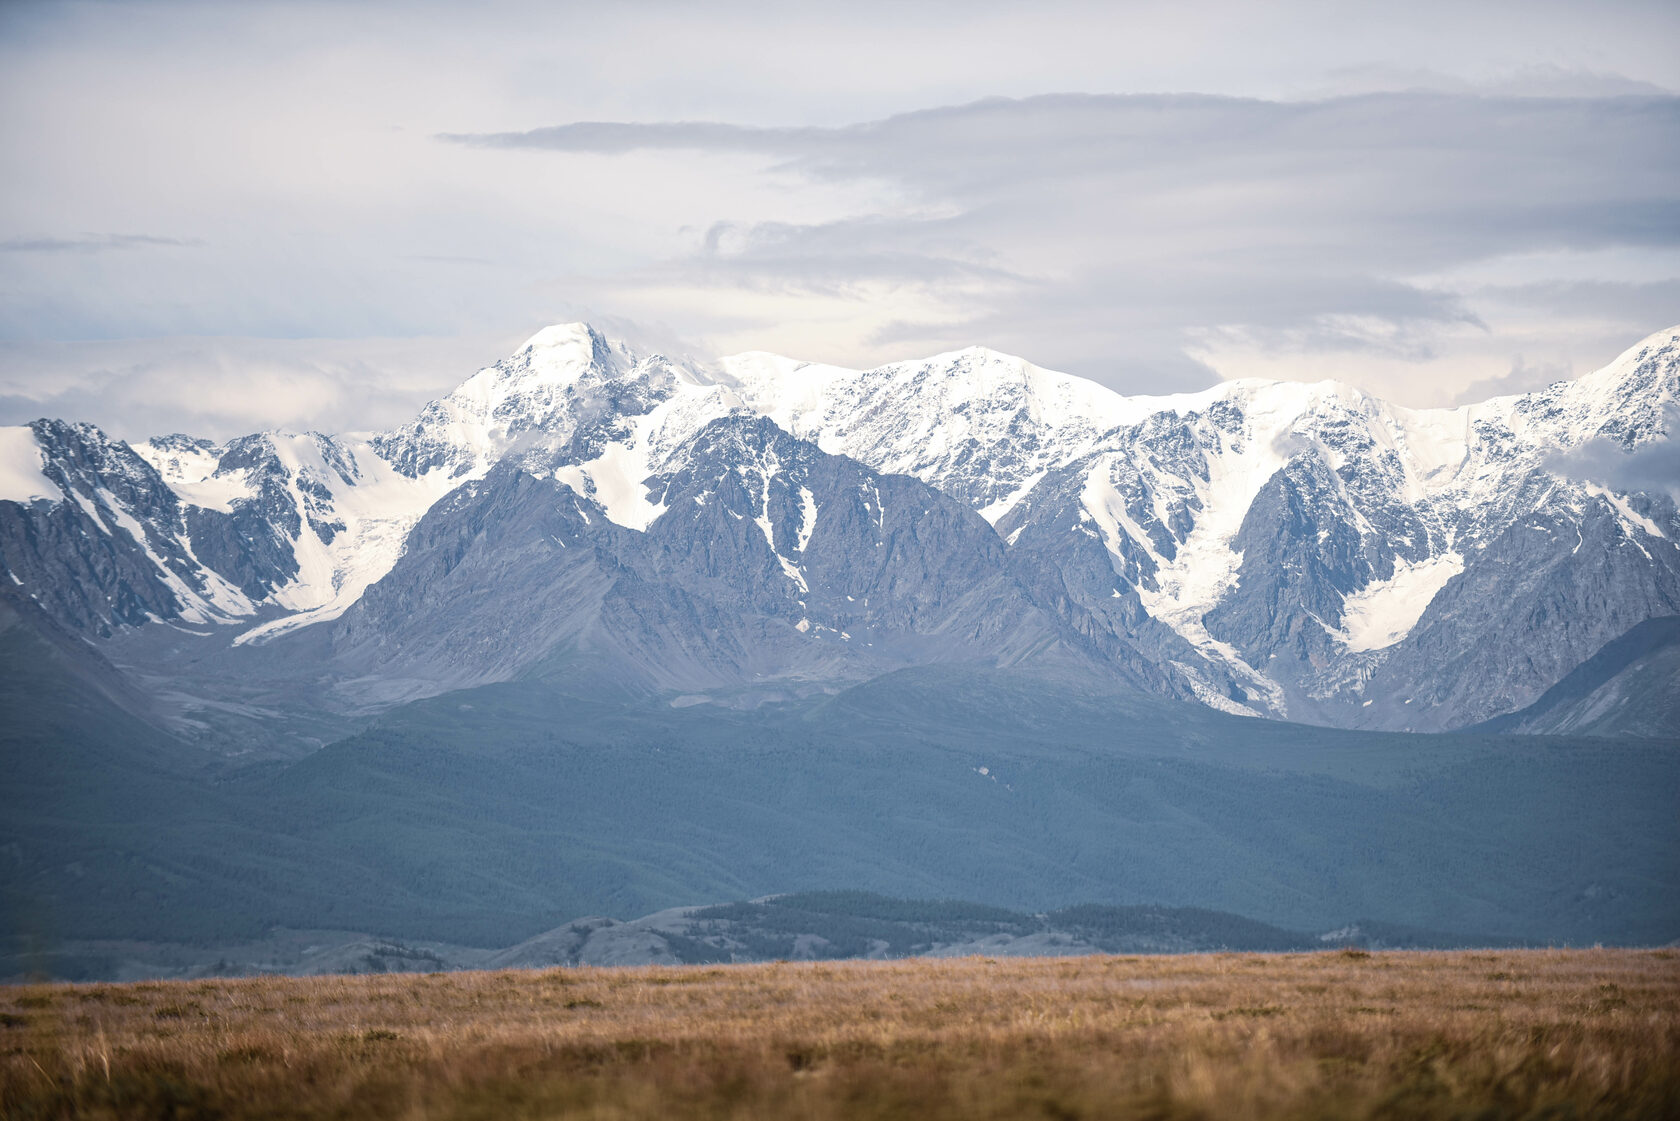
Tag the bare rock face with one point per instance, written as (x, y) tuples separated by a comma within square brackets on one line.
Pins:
[(772, 566), (1625, 689)]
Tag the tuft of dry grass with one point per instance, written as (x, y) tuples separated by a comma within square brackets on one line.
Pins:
[(1521, 1034)]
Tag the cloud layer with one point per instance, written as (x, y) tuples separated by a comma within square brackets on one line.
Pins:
[(1420, 201), (1114, 233)]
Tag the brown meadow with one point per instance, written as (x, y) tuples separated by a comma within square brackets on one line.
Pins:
[(1508, 1034)]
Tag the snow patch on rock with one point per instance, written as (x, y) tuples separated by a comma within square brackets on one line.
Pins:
[(377, 507), (1384, 612), (21, 461)]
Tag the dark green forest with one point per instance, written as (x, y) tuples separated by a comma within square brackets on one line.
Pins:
[(486, 816)]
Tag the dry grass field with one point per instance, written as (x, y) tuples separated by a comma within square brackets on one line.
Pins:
[(1510, 1034)]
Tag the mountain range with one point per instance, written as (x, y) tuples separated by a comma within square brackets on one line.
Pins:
[(759, 528)]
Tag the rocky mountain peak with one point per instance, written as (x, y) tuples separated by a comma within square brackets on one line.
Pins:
[(565, 381)]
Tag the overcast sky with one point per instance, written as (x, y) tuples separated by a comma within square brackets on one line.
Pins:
[(225, 217)]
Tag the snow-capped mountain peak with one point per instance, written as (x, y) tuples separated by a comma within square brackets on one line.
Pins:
[(563, 379), (570, 346)]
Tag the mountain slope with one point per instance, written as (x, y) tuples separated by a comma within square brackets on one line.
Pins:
[(771, 564), (1626, 689), (489, 815)]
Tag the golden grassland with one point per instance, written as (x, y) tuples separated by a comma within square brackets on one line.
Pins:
[(1508, 1034)]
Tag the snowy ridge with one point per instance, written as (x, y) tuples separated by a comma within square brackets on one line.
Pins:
[(979, 425)]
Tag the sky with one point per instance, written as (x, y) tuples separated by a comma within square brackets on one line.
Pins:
[(221, 218)]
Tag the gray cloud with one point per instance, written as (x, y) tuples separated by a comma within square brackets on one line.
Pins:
[(1625, 302), (1279, 223), (618, 138), (1523, 377), (225, 387), (1652, 468), (95, 243), (1407, 158), (830, 255), (449, 259), (1536, 80)]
